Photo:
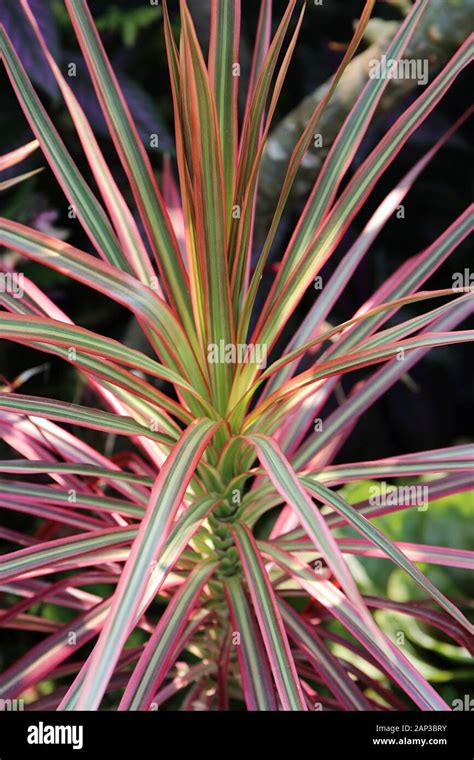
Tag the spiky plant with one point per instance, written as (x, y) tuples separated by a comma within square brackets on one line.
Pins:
[(219, 422)]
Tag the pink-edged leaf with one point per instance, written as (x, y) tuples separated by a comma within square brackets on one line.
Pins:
[(270, 622), (324, 662), (257, 682), (223, 57), (290, 285), (287, 484), (165, 499), (124, 223), (134, 160), (88, 209), (162, 647), (19, 154), (388, 656), (364, 396)]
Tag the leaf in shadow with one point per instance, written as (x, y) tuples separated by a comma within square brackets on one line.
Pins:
[(26, 44), (143, 110)]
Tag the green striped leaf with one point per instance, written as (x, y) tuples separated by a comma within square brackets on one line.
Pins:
[(165, 499), (270, 622), (134, 159), (209, 201), (163, 646), (223, 56), (123, 221), (287, 484), (52, 552), (32, 328), (390, 549), (76, 414), (389, 656), (323, 660), (290, 286), (257, 682), (126, 290), (35, 466), (73, 184)]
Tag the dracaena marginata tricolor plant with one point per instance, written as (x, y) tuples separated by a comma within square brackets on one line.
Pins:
[(218, 436)]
